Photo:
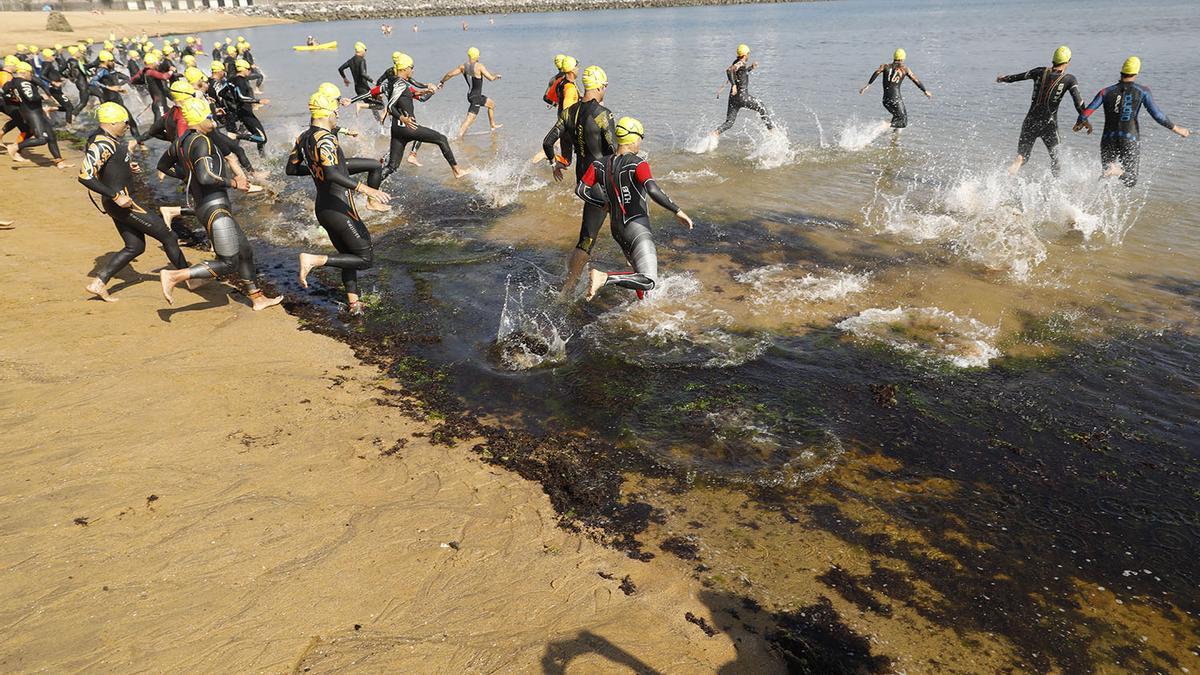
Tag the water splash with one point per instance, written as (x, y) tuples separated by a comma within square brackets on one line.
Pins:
[(502, 181), (774, 290), (927, 331), (674, 326), (699, 175), (703, 142), (858, 135), (528, 336), (772, 149)]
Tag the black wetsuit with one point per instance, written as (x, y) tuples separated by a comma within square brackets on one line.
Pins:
[(107, 172), (317, 153), (54, 78), (738, 75), (39, 130), (157, 85), (171, 127), (623, 183), (98, 85), (218, 52), (401, 105), (590, 129), (1042, 119), (195, 160), (74, 70), (1122, 102), (11, 103), (893, 100), (221, 93), (475, 97), (357, 65), (242, 92)]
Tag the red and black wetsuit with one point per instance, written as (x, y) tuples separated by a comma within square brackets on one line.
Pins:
[(1042, 119), (1122, 102), (404, 91)]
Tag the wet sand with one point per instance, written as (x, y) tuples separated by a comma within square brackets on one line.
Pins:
[(30, 27), (206, 488)]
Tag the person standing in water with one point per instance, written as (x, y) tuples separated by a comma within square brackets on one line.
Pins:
[(893, 76), (108, 171), (622, 182), (357, 65), (1051, 84), (196, 161), (738, 74), (404, 123), (562, 93), (1120, 146), (243, 93), (591, 130), (474, 73), (317, 153)]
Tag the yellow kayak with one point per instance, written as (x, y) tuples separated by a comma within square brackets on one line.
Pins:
[(313, 48)]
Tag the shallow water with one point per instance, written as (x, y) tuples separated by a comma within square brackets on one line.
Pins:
[(846, 294)]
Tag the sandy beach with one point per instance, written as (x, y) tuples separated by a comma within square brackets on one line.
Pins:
[(201, 487), (30, 27)]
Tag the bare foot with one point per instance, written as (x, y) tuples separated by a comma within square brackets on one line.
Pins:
[(1113, 171), (1015, 167), (595, 282), (412, 159), (262, 302), (168, 280), (16, 154), (496, 126), (253, 189), (355, 308), (309, 261), (169, 213), (375, 205), (62, 164), (459, 173), (98, 289)]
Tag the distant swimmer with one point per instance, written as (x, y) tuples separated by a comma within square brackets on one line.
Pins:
[(243, 95), (622, 182), (357, 65), (318, 153), (404, 120), (108, 171), (1120, 149), (1042, 119), (474, 73), (738, 74), (194, 160), (893, 76), (590, 129)]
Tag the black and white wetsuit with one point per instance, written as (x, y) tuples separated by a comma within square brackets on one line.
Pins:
[(40, 131), (624, 185), (401, 105)]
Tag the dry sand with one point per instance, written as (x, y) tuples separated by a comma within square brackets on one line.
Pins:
[(30, 27), (203, 488)]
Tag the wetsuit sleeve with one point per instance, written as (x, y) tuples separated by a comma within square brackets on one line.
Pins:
[(1075, 95), (553, 135), (1027, 75), (156, 74), (168, 164), (913, 76), (295, 165), (335, 171), (877, 73), (93, 162), (1093, 106), (1158, 115), (348, 65), (202, 164), (589, 188), (244, 95), (645, 179), (99, 73)]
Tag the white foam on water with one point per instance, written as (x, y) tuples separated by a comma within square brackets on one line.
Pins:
[(856, 136), (772, 149), (528, 335), (1004, 222), (927, 331), (774, 289), (702, 142), (674, 326), (502, 181), (697, 176)]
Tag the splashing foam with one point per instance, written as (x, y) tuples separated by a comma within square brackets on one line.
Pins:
[(928, 331), (773, 290), (1003, 222), (772, 149), (703, 142), (501, 182), (528, 337), (857, 136), (696, 176), (674, 326)]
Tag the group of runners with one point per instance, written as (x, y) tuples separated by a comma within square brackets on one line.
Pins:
[(203, 117)]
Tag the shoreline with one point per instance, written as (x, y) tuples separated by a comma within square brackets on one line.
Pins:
[(177, 495), (30, 27), (307, 12)]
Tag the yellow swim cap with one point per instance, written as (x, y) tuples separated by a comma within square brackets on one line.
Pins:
[(108, 44), (627, 128), (90, 41), (11, 61), (360, 47), (176, 40), (167, 50), (900, 55), (329, 90), (1062, 55), (743, 50), (23, 67), (152, 59), (396, 56), (569, 64), (241, 39), (105, 56), (243, 47), (112, 113), (558, 61), (190, 60), (594, 77), (228, 40), (181, 90), (20, 48), (231, 50), (472, 53), (320, 106), (195, 111), (1132, 66), (134, 55), (241, 64), (193, 75), (47, 53), (218, 67), (402, 60), (191, 40), (73, 50), (57, 47)]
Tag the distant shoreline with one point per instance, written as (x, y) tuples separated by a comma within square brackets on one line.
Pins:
[(394, 9)]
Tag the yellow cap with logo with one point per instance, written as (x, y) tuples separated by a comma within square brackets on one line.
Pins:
[(112, 113), (627, 128), (1132, 66), (594, 77), (195, 111)]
